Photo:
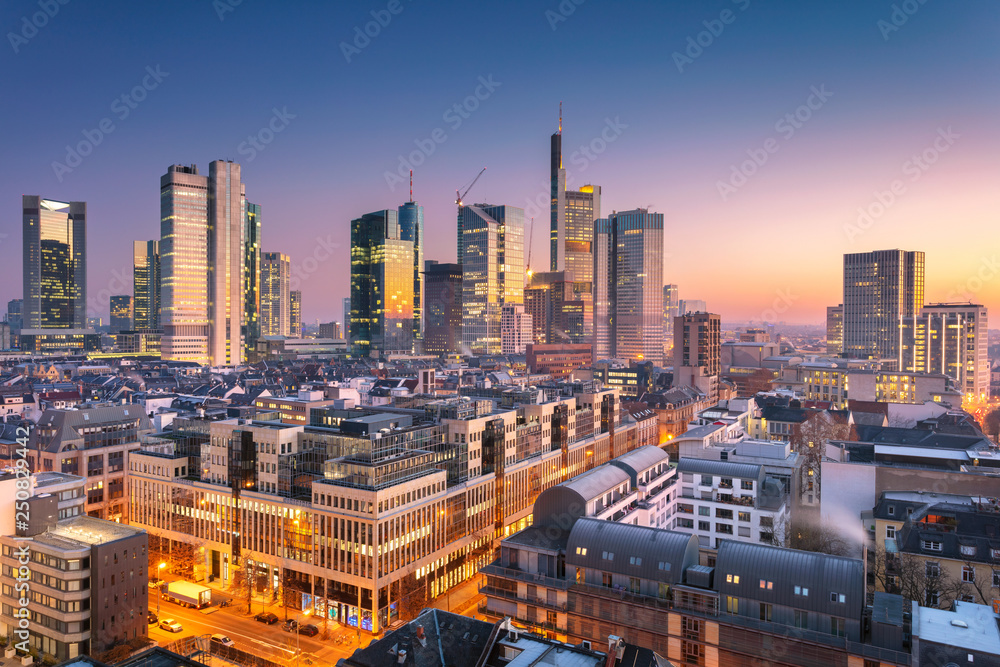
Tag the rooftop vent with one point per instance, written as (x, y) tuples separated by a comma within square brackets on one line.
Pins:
[(959, 624)]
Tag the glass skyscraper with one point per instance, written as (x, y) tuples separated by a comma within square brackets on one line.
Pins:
[(121, 313), (251, 269), (411, 228), (146, 284), (881, 288), (275, 294), (54, 268), (295, 314)]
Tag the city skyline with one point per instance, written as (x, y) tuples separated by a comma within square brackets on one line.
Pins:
[(868, 117)]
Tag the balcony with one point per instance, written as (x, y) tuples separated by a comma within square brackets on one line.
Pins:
[(554, 627), (527, 577), (490, 591)]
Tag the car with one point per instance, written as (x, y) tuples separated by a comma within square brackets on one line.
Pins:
[(151, 618), (170, 625), (266, 617), (222, 640), (289, 625), (155, 583), (309, 630)]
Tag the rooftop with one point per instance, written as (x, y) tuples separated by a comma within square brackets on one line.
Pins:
[(970, 626)]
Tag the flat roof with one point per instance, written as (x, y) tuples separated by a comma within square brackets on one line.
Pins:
[(91, 530), (938, 625)]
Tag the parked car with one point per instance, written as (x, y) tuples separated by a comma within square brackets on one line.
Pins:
[(309, 630), (151, 618), (222, 640), (266, 617), (155, 583), (290, 625), (170, 625)]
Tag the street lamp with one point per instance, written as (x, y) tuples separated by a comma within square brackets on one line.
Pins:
[(159, 588)]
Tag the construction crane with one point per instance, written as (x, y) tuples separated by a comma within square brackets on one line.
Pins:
[(459, 196)]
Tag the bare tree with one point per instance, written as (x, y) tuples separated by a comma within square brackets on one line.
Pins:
[(813, 536), (914, 578), (973, 583)]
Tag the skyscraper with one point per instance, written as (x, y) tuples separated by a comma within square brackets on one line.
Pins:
[(54, 264), (950, 338), (121, 313), (835, 329), (202, 226), (381, 286), (880, 289), (698, 352), (14, 317), (346, 324), (442, 308), (275, 295), (557, 314), (146, 284), (671, 296), (492, 272), (628, 277), (295, 314), (411, 228), (251, 274)]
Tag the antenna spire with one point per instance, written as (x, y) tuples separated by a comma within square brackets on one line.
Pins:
[(560, 116), (411, 186)]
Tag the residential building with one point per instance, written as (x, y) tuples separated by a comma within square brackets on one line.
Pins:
[(295, 314), (54, 263), (950, 339), (515, 329), (411, 228), (835, 329), (442, 308), (252, 273), (146, 284), (559, 361), (121, 313), (698, 352), (275, 294), (881, 289), (492, 271), (88, 587), (202, 255), (381, 286), (628, 279)]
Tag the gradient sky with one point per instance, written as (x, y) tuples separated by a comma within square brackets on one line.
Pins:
[(770, 250)]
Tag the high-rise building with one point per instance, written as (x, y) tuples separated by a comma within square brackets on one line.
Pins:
[(381, 286), (202, 229), (835, 329), (628, 278), (698, 352), (275, 294), (346, 323), (515, 329), (251, 273), (670, 311), (411, 228), (557, 314), (54, 264), (950, 339), (685, 306), (881, 288), (14, 318), (121, 313), (492, 271), (146, 284), (442, 308), (295, 314), (330, 330)]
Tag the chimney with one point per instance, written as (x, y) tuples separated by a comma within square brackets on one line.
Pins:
[(420, 635), (401, 658)]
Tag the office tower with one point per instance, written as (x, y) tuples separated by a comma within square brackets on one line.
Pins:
[(14, 318), (202, 258), (295, 314), (330, 330), (121, 313), (880, 289), (411, 228), (146, 284), (698, 352), (346, 323), (442, 308), (628, 279), (670, 311), (251, 276), (275, 294), (950, 339), (835, 329), (685, 306), (381, 286), (556, 314), (54, 264), (515, 329), (492, 272)]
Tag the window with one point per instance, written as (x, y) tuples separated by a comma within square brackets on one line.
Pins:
[(706, 480), (765, 612), (996, 578), (744, 516), (801, 619), (800, 590), (892, 510), (606, 579), (932, 569), (933, 598), (663, 565), (608, 555), (704, 511), (968, 550), (838, 597), (705, 525), (633, 584), (732, 604), (766, 585), (890, 532), (930, 545), (837, 627), (746, 485), (732, 578), (581, 551), (968, 574), (634, 560)]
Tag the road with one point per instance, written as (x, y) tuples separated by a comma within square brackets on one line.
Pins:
[(267, 641)]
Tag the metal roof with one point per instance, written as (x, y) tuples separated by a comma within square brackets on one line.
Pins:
[(740, 567), (720, 468), (640, 459), (597, 482), (634, 550)]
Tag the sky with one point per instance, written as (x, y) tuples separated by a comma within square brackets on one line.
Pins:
[(773, 137)]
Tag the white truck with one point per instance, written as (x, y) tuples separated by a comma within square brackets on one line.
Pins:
[(188, 594)]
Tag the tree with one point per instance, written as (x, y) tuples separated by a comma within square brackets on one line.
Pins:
[(412, 596), (809, 440), (821, 538), (991, 424), (912, 577), (759, 381)]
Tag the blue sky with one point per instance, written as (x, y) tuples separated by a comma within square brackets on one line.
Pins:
[(228, 72)]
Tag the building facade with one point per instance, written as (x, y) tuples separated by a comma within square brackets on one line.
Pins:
[(698, 352), (275, 296), (54, 271), (950, 339), (252, 276), (881, 288), (295, 314), (146, 284), (121, 313), (835, 329), (515, 329), (411, 228), (442, 308)]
